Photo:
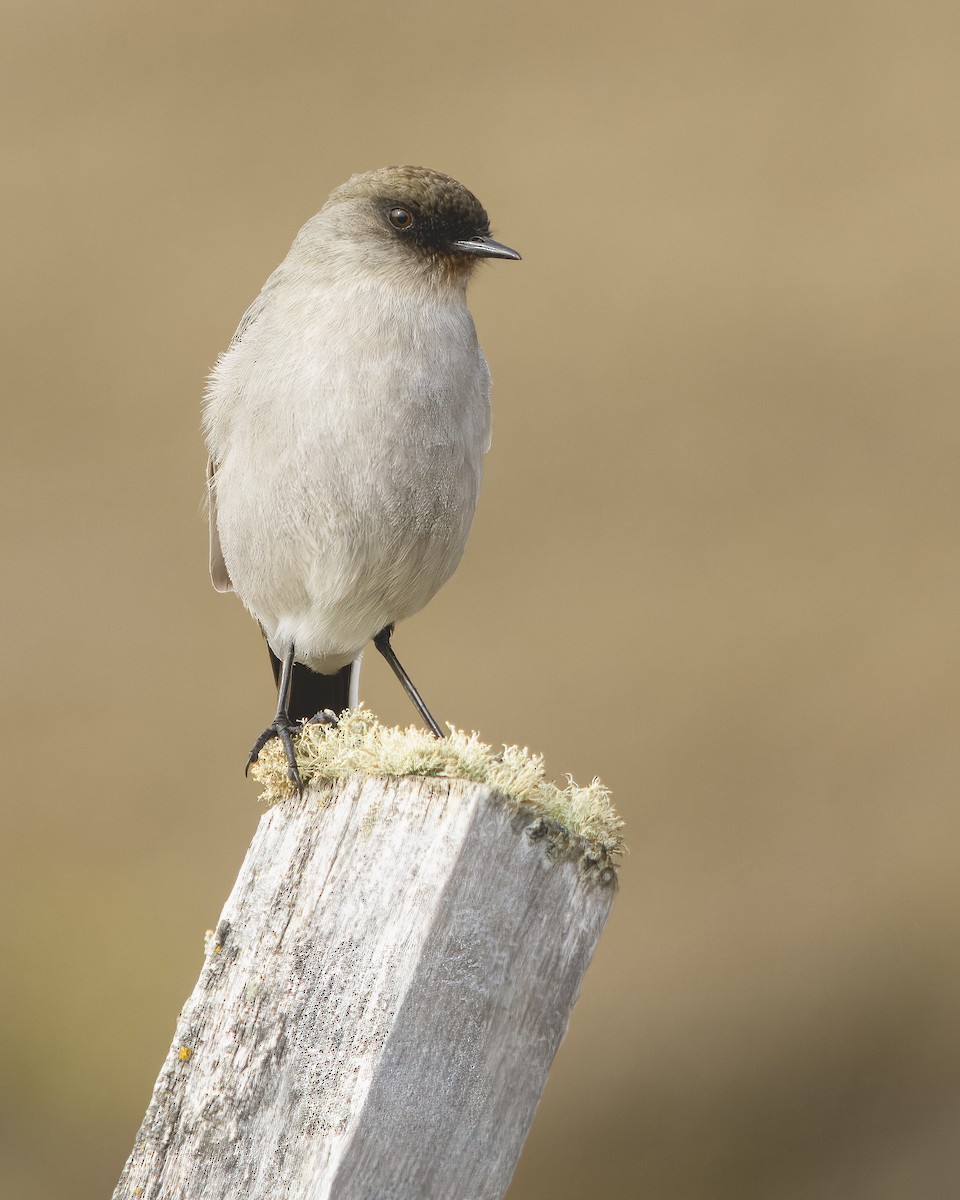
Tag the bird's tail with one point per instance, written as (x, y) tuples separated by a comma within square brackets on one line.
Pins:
[(312, 693)]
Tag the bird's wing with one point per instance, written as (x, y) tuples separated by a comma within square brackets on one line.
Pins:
[(218, 568), (488, 410), (258, 304)]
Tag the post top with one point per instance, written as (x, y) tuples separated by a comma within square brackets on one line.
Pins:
[(360, 744)]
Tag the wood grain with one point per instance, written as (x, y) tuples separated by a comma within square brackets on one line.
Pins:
[(379, 1006)]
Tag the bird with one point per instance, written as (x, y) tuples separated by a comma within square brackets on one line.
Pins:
[(346, 426)]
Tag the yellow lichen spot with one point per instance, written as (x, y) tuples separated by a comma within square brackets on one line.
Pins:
[(185, 1053)]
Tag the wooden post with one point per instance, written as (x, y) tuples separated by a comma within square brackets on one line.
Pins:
[(379, 1004)]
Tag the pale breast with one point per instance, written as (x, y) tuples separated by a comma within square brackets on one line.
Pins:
[(349, 433)]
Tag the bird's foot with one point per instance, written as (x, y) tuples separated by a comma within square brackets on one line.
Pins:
[(282, 728), (326, 716)]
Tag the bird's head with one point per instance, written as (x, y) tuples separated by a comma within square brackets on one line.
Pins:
[(408, 222)]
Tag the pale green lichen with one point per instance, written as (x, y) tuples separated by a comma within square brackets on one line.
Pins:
[(359, 744)]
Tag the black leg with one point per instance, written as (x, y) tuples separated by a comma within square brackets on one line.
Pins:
[(311, 693), (282, 726), (382, 643)]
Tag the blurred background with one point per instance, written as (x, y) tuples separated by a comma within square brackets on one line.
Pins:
[(715, 563)]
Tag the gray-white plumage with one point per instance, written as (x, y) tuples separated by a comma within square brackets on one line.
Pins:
[(348, 419)]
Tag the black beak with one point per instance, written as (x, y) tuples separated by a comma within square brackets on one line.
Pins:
[(485, 247)]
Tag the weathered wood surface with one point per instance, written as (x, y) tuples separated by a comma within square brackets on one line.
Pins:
[(379, 1005)]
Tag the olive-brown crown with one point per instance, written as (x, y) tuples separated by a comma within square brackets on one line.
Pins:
[(424, 208)]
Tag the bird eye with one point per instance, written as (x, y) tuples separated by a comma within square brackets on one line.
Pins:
[(400, 218)]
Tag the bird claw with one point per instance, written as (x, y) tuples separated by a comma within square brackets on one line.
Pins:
[(326, 716), (283, 729)]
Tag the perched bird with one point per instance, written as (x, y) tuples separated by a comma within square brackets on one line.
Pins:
[(346, 425)]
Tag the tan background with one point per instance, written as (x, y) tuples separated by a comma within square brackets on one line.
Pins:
[(716, 558)]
